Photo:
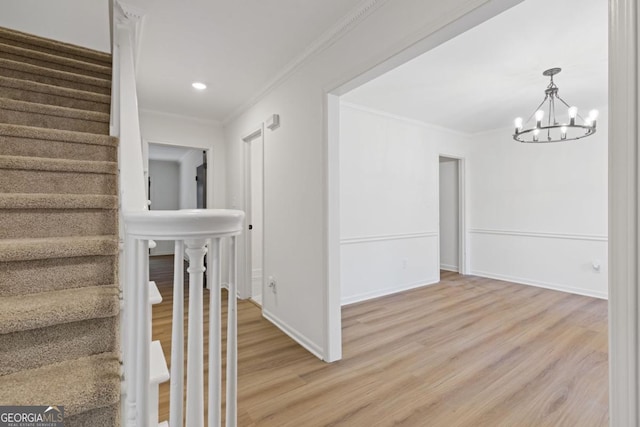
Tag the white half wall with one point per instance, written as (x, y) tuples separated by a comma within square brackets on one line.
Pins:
[(449, 215), (389, 201), (539, 211), (80, 22)]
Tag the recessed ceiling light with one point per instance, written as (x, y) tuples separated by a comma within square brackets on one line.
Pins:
[(199, 85)]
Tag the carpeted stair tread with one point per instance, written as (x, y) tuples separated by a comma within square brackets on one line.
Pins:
[(57, 247), (80, 385), (29, 41), (32, 132), (39, 347), (57, 165), (57, 201), (29, 91), (55, 62), (25, 312), (51, 116), (25, 277), (21, 70)]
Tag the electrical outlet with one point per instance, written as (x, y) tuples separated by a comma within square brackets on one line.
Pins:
[(404, 264), (272, 284)]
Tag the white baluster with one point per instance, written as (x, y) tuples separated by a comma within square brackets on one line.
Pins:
[(215, 353), (143, 343), (232, 340), (195, 351), (177, 339), (130, 329)]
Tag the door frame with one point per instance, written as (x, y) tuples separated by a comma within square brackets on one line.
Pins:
[(245, 289), (463, 264)]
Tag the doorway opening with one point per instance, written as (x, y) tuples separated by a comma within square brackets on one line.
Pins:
[(177, 179), (451, 223)]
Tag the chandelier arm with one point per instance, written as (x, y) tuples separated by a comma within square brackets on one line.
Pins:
[(537, 108), (550, 112), (569, 106)]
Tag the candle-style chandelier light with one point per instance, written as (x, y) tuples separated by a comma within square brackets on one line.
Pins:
[(549, 129)]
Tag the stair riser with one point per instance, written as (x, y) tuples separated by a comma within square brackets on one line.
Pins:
[(54, 65), (50, 99), (53, 80), (39, 347), (53, 122), (26, 277), (58, 50), (32, 223), (13, 146), (25, 181)]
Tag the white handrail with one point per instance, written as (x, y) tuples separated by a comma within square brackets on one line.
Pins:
[(201, 231)]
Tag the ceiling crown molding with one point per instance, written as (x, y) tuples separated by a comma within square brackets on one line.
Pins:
[(327, 38)]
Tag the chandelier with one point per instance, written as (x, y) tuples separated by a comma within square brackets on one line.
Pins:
[(549, 129)]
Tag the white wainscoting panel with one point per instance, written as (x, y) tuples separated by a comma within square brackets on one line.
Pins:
[(373, 266), (574, 263)]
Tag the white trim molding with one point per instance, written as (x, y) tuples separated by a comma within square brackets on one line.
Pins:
[(385, 237), (624, 238), (389, 291), (540, 284), (540, 234), (293, 334)]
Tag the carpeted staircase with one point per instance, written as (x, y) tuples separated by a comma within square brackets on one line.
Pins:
[(59, 305)]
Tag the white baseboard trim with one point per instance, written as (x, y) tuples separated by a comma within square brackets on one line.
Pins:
[(257, 299), (449, 267), (293, 334), (539, 284), (388, 291)]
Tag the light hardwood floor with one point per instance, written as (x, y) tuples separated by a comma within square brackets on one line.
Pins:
[(468, 351)]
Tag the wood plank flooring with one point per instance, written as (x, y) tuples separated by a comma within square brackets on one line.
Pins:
[(468, 351)]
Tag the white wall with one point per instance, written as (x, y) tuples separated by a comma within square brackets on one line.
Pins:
[(80, 22), (539, 211), (297, 182), (188, 166), (162, 128), (449, 215), (165, 194), (389, 202)]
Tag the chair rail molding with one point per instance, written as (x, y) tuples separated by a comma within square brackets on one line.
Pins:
[(384, 237), (540, 234)]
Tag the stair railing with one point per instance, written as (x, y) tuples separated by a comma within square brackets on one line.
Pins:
[(196, 232)]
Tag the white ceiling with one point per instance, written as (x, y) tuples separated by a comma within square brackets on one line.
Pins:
[(484, 78), (235, 47), (168, 153)]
